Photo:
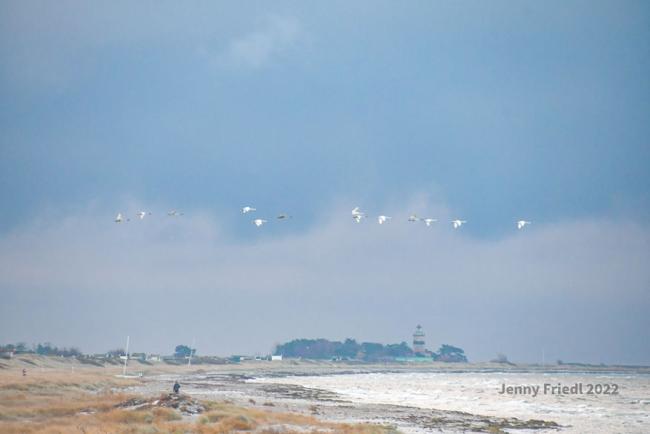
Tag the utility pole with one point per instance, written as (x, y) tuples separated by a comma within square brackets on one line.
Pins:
[(189, 359), (126, 356)]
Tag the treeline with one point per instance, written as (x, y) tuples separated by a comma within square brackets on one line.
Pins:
[(449, 353), (47, 349), (44, 349), (349, 349), (368, 351)]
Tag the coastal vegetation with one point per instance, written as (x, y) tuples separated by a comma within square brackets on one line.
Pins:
[(317, 349), (450, 353), (182, 351), (350, 349), (43, 349), (93, 401)]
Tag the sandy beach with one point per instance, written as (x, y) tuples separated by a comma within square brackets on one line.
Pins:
[(64, 395), (57, 395)]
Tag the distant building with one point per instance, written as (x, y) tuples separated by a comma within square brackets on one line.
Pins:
[(274, 358), (418, 342)]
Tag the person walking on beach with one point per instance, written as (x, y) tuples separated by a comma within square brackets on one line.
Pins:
[(177, 387), (24, 372)]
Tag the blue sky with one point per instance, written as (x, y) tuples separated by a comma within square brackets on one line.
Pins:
[(488, 111)]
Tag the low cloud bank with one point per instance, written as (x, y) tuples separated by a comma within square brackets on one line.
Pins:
[(577, 290)]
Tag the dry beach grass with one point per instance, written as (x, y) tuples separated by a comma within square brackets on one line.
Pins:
[(67, 395), (92, 400)]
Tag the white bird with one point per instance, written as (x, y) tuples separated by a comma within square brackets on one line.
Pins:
[(383, 219), (458, 223), (357, 214), (142, 214), (522, 223), (414, 218), (259, 222), (119, 218), (247, 209), (174, 213), (429, 221)]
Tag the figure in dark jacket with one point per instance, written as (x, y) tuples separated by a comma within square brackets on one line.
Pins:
[(177, 387)]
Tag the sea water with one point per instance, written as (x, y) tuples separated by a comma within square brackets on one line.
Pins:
[(625, 408)]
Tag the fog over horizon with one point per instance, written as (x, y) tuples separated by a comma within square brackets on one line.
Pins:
[(485, 111), (576, 290)]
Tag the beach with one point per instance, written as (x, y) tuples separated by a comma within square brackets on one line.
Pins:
[(568, 399), (319, 396)]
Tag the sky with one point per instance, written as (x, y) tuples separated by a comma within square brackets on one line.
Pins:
[(486, 111)]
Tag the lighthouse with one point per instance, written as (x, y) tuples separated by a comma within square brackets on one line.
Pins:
[(418, 342)]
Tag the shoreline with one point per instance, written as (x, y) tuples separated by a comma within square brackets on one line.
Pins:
[(305, 366), (238, 385), (240, 390)]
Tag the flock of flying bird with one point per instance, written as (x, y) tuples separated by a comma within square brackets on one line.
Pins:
[(357, 216), (119, 218), (259, 222)]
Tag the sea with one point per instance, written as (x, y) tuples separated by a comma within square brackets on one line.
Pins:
[(581, 402)]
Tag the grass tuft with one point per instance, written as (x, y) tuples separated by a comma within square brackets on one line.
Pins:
[(85, 402)]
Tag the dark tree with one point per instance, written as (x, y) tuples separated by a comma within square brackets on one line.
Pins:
[(449, 353), (349, 349), (46, 349), (399, 350), (70, 352), (183, 351), (325, 349)]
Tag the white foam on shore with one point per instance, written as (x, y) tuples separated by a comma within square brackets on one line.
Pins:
[(626, 412)]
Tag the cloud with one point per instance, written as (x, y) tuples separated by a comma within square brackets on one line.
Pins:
[(48, 45), (45, 45), (338, 279), (259, 48)]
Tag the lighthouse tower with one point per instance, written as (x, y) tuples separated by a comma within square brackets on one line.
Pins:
[(418, 342)]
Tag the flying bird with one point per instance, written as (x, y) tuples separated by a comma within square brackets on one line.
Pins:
[(174, 213), (119, 218), (522, 223), (283, 216), (357, 214), (458, 223), (142, 214), (414, 218), (428, 221), (383, 219), (259, 222), (247, 209)]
